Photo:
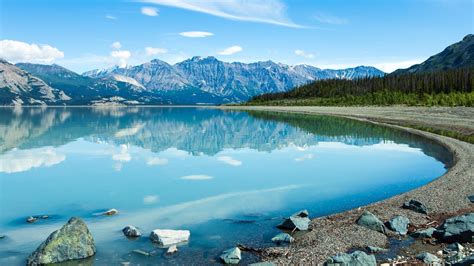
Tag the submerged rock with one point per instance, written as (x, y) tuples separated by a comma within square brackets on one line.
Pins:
[(283, 238), (372, 249), (172, 249), (299, 221), (2, 236), (141, 252), (355, 258), (399, 224), (131, 231), (231, 256), (428, 258), (416, 206), (73, 241), (426, 233), (471, 198), (369, 220), (166, 237), (456, 229)]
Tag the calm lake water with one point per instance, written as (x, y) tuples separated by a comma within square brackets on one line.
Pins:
[(228, 177)]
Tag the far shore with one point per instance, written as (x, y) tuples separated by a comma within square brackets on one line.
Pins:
[(444, 197)]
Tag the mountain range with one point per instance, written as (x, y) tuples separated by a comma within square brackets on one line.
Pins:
[(196, 80)]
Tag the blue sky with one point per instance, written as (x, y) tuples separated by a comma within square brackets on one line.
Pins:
[(87, 34)]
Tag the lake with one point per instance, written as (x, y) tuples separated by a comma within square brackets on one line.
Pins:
[(227, 176)]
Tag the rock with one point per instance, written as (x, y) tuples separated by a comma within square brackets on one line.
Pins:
[(263, 263), (399, 224), (471, 198), (141, 252), (172, 249), (466, 262), (73, 241), (454, 258), (131, 231), (299, 220), (355, 258), (166, 237), (428, 258), (454, 247), (2, 236), (31, 219), (231, 256), (110, 212), (456, 229), (372, 249), (367, 219), (283, 238), (416, 206), (426, 233)]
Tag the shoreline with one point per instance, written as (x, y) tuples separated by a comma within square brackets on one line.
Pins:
[(445, 196)]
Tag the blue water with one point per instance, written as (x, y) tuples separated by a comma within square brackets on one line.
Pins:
[(228, 177)]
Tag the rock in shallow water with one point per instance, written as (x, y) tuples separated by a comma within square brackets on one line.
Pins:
[(131, 231), (73, 241), (355, 258), (416, 206), (429, 258), (369, 220), (299, 221), (471, 198), (166, 237), (372, 249), (283, 238), (110, 212), (456, 229), (399, 224), (426, 233), (231, 256), (172, 249)]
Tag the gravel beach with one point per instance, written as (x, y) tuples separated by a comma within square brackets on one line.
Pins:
[(444, 197)]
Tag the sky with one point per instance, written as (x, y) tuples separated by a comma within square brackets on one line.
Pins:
[(89, 34)]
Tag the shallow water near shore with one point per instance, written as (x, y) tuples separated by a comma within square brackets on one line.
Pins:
[(228, 177)]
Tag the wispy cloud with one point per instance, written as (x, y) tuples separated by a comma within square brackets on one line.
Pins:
[(122, 57), (156, 161), (197, 177), (304, 54), (196, 34), (304, 157), (150, 199), (231, 50), (149, 11), (329, 19), (262, 11), (151, 51), (16, 51), (110, 17), (116, 45), (229, 160)]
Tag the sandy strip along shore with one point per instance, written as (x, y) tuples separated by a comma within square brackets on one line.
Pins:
[(445, 196)]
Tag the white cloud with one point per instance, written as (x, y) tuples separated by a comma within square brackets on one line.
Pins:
[(16, 161), (129, 131), (110, 17), (304, 157), (122, 56), (151, 51), (15, 51), (196, 34), (150, 199), (329, 19), (229, 160), (304, 54), (156, 161), (149, 11), (231, 50), (116, 45), (262, 11), (197, 177)]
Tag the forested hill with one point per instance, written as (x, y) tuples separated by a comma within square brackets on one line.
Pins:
[(444, 79)]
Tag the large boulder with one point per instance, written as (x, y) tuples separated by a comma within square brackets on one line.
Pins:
[(231, 256), (356, 258), (416, 206), (456, 229), (167, 237), (369, 220), (426, 233), (399, 224), (299, 221), (72, 242)]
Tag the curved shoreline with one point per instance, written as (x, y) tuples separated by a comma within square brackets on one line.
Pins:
[(444, 197)]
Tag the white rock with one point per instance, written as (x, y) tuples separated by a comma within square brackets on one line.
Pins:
[(166, 237), (172, 249)]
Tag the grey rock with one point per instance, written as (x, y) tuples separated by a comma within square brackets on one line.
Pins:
[(72, 242), (399, 224), (263, 263), (141, 252), (372, 249), (471, 198), (456, 229), (231, 256), (426, 233), (454, 247), (416, 206), (456, 257), (131, 231), (466, 261), (356, 258), (283, 238), (429, 258), (369, 220), (2, 236), (299, 221)]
